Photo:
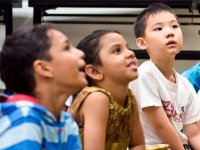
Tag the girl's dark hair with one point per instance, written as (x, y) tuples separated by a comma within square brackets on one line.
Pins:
[(90, 45)]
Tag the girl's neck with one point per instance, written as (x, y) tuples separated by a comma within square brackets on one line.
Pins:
[(119, 93)]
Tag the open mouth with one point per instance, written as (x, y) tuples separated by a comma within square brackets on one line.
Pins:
[(132, 64), (82, 68)]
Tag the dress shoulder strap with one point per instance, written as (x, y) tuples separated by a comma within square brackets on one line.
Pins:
[(80, 98)]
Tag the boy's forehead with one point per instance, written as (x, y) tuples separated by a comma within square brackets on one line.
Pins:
[(56, 35), (158, 13), (159, 16)]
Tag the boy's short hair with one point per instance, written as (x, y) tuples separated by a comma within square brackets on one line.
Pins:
[(140, 23), (18, 54)]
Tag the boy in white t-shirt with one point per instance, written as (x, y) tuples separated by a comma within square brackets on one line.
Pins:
[(168, 104)]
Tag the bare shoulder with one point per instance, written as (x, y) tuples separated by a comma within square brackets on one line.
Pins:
[(96, 101)]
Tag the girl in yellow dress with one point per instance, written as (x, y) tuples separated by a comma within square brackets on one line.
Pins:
[(106, 111)]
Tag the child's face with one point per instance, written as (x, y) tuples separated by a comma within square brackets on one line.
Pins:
[(163, 35), (118, 62), (67, 63)]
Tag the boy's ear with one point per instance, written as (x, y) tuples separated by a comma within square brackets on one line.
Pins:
[(93, 72), (141, 43), (42, 68)]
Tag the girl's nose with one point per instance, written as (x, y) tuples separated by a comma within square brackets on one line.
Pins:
[(130, 53)]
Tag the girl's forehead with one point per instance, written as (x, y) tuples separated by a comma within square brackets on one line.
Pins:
[(111, 36), (111, 39), (104, 39)]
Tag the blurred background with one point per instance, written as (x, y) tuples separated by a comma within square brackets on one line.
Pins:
[(77, 22)]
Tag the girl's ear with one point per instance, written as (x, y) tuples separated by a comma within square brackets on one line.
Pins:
[(141, 43), (93, 72), (42, 68)]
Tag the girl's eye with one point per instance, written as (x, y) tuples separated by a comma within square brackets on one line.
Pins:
[(117, 50)]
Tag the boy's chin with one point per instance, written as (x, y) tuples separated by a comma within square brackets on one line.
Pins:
[(83, 84)]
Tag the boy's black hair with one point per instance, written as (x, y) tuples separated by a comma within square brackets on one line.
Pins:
[(141, 21), (18, 54)]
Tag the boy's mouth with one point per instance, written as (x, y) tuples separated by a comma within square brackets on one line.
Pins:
[(171, 42)]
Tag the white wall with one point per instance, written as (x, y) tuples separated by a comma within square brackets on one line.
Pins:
[(23, 16)]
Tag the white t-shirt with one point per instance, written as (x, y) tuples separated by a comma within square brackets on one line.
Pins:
[(179, 100)]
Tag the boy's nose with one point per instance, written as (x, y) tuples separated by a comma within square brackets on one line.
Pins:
[(169, 32), (80, 53)]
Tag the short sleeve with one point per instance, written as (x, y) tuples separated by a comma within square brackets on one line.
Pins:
[(146, 90)]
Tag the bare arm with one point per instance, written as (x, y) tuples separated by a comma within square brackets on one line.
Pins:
[(193, 133), (137, 139), (161, 123), (95, 111)]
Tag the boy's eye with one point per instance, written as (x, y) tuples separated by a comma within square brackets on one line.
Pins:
[(175, 26), (67, 47), (157, 29)]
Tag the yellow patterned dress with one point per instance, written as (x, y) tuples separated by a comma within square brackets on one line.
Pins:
[(119, 123)]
